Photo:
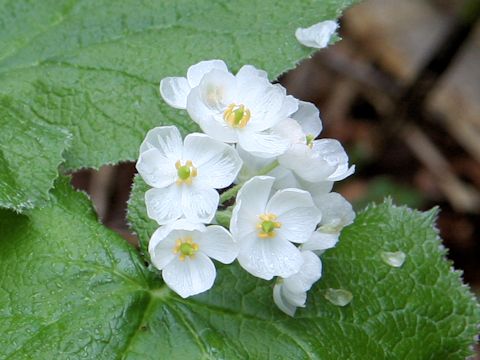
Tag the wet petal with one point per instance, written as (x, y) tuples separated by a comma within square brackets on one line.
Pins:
[(191, 276)]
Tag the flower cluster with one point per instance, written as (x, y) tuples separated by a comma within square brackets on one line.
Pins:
[(281, 214)]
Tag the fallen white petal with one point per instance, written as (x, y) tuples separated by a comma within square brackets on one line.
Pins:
[(317, 36)]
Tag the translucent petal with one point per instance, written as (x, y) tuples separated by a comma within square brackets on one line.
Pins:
[(163, 204), (217, 243), (174, 91), (339, 297), (217, 163), (191, 276)]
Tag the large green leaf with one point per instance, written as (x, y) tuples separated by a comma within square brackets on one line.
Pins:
[(71, 289), (93, 67)]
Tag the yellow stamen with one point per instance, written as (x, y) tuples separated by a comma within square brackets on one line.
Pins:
[(185, 172), (237, 116), (267, 226), (185, 247)]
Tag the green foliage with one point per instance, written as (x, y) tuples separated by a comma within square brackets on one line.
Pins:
[(419, 310), (79, 86), (70, 288), (91, 69)]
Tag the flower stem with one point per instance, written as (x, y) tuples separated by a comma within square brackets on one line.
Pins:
[(232, 192)]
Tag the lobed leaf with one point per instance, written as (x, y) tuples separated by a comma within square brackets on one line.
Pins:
[(91, 69)]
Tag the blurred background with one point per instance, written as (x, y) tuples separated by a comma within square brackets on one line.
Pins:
[(401, 91)]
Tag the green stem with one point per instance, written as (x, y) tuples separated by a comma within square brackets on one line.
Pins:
[(232, 192)]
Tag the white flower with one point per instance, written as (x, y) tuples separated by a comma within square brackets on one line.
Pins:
[(243, 109), (320, 160), (318, 35), (291, 292), (175, 90), (184, 176), (182, 250), (265, 227), (336, 214)]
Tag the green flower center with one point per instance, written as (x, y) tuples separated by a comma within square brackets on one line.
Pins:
[(309, 138), (185, 172)]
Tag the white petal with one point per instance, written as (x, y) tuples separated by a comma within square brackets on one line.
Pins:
[(281, 302), (196, 72), (284, 178), (315, 188), (174, 91), (309, 273), (308, 117), (296, 213), (191, 276), (297, 299), (163, 204), (198, 204), (206, 118), (155, 169), (321, 241), (342, 172), (217, 163), (318, 35), (336, 211), (217, 89), (266, 258), (263, 144), (290, 129), (166, 139), (249, 72), (217, 243), (251, 203), (251, 164), (269, 105), (161, 247), (333, 153), (307, 163)]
